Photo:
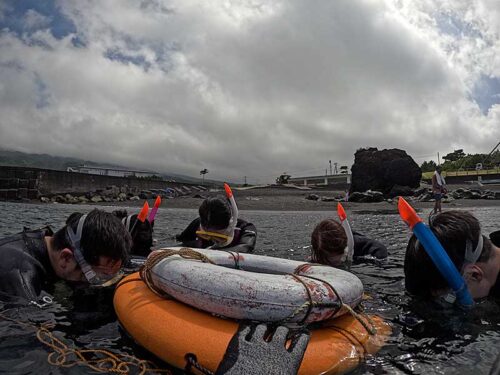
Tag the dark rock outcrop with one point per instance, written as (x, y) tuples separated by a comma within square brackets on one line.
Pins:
[(366, 197), (382, 170), (312, 197), (460, 193), (403, 191)]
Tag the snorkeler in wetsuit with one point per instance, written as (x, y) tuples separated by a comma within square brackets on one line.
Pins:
[(140, 231), (329, 243), (475, 256), (219, 227), (89, 248)]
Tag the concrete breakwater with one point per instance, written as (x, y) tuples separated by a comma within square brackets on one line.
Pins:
[(22, 183)]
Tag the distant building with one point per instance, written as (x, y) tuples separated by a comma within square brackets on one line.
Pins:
[(339, 180), (116, 172)]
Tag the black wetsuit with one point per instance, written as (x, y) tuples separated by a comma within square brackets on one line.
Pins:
[(245, 236), (495, 238), (25, 268), (364, 246)]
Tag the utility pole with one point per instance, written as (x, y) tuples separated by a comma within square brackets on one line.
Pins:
[(330, 167), (245, 180), (335, 170)]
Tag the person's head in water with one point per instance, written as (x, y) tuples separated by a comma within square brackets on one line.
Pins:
[(91, 246), (215, 220), (141, 232), (473, 254), (328, 243)]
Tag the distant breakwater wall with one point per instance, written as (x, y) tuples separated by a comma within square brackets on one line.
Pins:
[(30, 183)]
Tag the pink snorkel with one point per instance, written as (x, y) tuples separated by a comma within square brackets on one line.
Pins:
[(155, 209)]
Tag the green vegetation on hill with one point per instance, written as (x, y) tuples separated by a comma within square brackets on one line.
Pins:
[(45, 161), (22, 159), (458, 161)]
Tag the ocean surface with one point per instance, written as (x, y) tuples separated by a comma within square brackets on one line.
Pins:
[(425, 340)]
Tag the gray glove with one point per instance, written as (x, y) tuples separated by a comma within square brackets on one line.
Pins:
[(495, 369), (249, 353)]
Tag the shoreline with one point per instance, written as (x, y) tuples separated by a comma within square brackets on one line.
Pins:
[(272, 199)]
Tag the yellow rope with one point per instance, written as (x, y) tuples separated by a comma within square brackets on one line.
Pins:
[(99, 360), (310, 303), (156, 258), (372, 329)]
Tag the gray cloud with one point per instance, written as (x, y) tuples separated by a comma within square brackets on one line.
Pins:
[(244, 88)]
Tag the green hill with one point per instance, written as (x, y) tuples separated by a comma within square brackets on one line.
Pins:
[(45, 161)]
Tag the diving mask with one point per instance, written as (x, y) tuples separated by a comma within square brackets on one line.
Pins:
[(218, 238), (92, 277)]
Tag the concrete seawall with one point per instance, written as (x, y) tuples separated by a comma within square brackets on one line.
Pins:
[(30, 183), (473, 177)]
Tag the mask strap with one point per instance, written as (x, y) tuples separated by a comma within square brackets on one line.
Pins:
[(77, 253), (471, 257), (126, 222)]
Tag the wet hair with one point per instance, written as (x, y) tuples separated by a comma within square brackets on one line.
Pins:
[(328, 238), (103, 235), (120, 214), (73, 216), (453, 229), (142, 235), (215, 213)]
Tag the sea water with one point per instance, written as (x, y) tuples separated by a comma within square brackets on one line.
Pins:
[(425, 340)]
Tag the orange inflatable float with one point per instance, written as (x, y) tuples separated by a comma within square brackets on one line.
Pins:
[(171, 330)]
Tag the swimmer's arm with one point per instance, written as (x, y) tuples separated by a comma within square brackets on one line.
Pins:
[(189, 234)]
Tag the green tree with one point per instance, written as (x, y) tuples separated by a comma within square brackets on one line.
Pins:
[(455, 155), (428, 166), (283, 179)]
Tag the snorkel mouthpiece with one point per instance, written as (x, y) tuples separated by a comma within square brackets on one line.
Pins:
[(436, 252), (348, 231)]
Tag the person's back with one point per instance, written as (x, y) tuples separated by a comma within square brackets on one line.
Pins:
[(25, 268)]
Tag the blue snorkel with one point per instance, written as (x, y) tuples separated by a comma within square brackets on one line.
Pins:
[(436, 252)]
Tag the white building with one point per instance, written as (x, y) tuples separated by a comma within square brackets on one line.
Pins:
[(115, 172)]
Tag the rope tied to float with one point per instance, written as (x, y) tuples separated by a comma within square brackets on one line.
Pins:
[(156, 258), (368, 325), (98, 360), (192, 361)]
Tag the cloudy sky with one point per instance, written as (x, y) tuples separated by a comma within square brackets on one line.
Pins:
[(248, 87)]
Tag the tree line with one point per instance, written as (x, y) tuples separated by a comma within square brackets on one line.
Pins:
[(458, 161)]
